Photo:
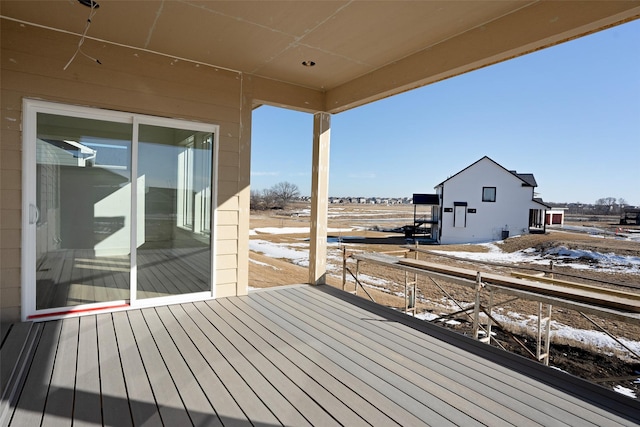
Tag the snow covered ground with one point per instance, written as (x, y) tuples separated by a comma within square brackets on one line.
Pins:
[(577, 259), (298, 253)]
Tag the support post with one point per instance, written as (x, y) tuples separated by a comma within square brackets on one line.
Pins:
[(319, 199)]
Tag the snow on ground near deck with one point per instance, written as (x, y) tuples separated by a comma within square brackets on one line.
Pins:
[(298, 253), (560, 255)]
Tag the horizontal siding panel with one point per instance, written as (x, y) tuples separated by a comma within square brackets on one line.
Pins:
[(227, 218), (229, 141), (10, 295), (229, 204), (227, 188), (11, 159), (11, 219), (116, 98), (10, 258), (227, 232), (11, 200), (228, 172), (225, 247), (228, 275), (11, 179), (10, 277), (226, 290), (229, 158), (226, 261), (10, 239)]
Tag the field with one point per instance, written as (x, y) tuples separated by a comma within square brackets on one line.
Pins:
[(586, 247)]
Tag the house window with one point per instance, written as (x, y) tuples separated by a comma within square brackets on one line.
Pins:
[(488, 194)]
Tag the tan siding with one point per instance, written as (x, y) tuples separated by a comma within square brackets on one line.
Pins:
[(227, 260), (226, 188), (11, 160), (224, 247), (227, 232), (226, 276), (227, 218), (32, 61), (228, 290), (230, 204)]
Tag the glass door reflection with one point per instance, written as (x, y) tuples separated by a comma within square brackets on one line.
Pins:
[(174, 211)]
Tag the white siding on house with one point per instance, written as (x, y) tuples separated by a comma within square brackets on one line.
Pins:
[(509, 212)]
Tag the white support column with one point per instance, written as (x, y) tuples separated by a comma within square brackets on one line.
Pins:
[(319, 198)]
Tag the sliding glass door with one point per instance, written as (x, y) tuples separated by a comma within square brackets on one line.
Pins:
[(175, 256), (118, 210)]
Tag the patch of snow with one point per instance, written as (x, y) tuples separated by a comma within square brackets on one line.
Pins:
[(264, 264), (275, 250), (626, 391), (574, 258)]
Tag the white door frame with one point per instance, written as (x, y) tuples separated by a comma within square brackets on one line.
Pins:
[(30, 212)]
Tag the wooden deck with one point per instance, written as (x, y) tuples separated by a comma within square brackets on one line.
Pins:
[(66, 278), (289, 356)]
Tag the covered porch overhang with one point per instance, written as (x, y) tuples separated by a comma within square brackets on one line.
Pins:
[(323, 57)]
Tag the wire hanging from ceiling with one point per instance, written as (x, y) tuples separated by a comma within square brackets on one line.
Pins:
[(94, 7)]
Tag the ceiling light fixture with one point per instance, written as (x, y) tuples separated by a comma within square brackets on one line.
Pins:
[(308, 63)]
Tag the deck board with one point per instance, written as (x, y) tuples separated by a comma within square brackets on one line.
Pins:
[(273, 398), (30, 406), (371, 404), (87, 406), (188, 389), (291, 356), (113, 391), (139, 393), (254, 408), (59, 404), (348, 348), (444, 366), (322, 409), (170, 404)]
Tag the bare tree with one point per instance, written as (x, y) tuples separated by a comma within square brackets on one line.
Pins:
[(276, 197), (605, 205), (285, 193)]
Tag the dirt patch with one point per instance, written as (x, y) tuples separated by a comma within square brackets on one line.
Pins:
[(584, 358)]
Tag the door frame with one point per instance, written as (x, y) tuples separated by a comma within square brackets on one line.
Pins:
[(30, 213)]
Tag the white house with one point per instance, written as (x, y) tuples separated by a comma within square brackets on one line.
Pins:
[(486, 202)]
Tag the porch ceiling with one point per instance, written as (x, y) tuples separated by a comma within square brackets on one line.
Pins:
[(363, 50)]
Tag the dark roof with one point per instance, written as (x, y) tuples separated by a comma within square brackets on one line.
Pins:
[(527, 177), (539, 200), (425, 199)]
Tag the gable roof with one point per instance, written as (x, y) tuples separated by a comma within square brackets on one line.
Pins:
[(527, 178)]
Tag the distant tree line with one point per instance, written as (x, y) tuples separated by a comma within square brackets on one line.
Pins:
[(602, 206), (276, 197)]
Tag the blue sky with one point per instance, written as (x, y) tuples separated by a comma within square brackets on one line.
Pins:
[(569, 114)]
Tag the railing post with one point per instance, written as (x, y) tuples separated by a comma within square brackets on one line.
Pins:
[(344, 268), (544, 322), (476, 310)]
